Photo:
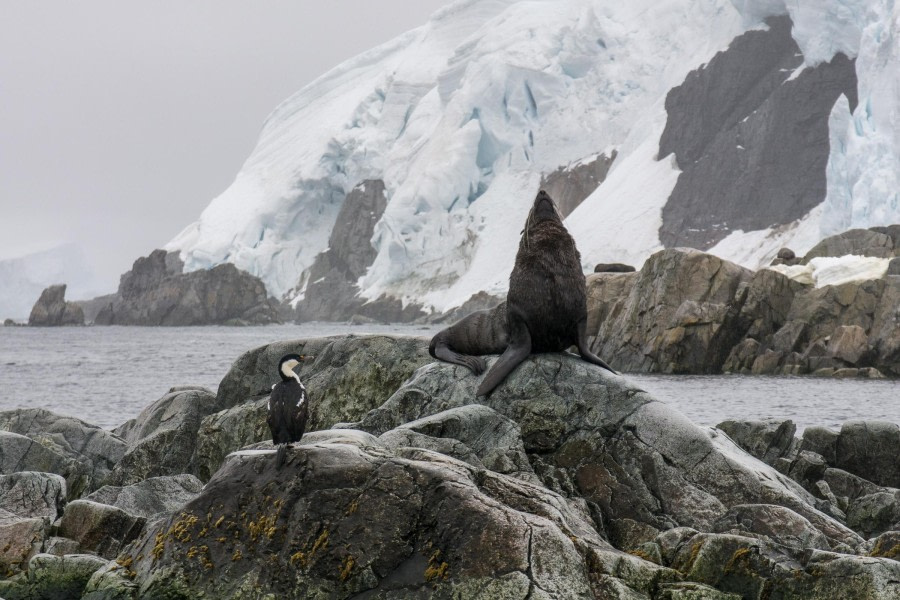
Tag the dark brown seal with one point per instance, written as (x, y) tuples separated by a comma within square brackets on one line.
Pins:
[(545, 308)]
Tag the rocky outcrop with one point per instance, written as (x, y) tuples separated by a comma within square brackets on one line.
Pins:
[(157, 292), (567, 482), (748, 132), (152, 497), (690, 312), (50, 576), (52, 310), (39, 440), (678, 315), (880, 242), (29, 504), (569, 186)]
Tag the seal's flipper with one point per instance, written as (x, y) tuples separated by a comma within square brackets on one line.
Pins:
[(518, 350), (441, 350), (585, 351)]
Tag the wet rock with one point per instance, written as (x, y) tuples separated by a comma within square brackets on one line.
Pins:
[(741, 357), (157, 292), (161, 440), (151, 497), (99, 528), (861, 242), (52, 310), (52, 577), (39, 440), (678, 316), (767, 440)]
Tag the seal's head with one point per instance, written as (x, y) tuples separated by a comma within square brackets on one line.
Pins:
[(544, 209)]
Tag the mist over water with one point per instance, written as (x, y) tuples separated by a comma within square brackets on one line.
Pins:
[(107, 375)]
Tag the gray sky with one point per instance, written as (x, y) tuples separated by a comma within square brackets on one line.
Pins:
[(120, 120)]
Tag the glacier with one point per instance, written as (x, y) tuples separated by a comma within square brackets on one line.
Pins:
[(461, 118)]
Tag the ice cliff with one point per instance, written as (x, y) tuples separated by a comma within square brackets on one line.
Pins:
[(462, 119)]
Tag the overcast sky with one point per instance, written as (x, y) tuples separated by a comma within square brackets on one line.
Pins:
[(120, 120)]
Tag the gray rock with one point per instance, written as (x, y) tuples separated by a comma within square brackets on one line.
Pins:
[(750, 139), (742, 357), (767, 440), (637, 459), (113, 581), (767, 363), (774, 523), (151, 497), (849, 344), (52, 310), (32, 494), (99, 528), (893, 267), (39, 440), (157, 292), (861, 242), (20, 539), (887, 545), (162, 439), (52, 577), (225, 431), (484, 439), (342, 520), (876, 513), (607, 296), (870, 449), (678, 316), (569, 186), (822, 441)]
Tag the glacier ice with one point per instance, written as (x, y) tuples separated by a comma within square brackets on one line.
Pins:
[(462, 116)]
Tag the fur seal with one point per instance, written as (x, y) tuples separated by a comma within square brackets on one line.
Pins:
[(545, 308)]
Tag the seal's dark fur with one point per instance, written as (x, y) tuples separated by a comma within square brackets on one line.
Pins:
[(545, 308)]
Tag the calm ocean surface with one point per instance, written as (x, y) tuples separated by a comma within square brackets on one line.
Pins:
[(107, 375)]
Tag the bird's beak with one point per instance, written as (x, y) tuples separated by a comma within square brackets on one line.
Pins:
[(307, 356)]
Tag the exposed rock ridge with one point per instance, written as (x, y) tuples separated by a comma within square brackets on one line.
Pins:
[(156, 292), (51, 309), (750, 135)]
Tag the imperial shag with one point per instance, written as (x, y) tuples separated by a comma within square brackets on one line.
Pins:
[(288, 406)]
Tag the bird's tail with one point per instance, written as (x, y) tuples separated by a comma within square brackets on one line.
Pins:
[(280, 455)]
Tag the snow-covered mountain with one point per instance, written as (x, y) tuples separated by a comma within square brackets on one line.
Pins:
[(736, 126), (23, 279)]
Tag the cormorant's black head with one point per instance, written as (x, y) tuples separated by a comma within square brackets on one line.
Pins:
[(288, 363)]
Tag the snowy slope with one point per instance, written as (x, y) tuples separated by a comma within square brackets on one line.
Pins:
[(462, 116)]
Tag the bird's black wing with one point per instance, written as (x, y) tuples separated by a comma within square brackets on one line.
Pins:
[(288, 411)]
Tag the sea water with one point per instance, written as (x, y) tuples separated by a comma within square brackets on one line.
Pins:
[(107, 375)]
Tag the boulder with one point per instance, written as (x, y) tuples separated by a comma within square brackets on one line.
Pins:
[(613, 268), (645, 466), (773, 523), (679, 316), (887, 545), (767, 440), (151, 497), (226, 431), (52, 310), (32, 494), (870, 449), (341, 519), (99, 528), (35, 439), (20, 539), (161, 440), (893, 267), (607, 294), (849, 343), (52, 577), (156, 291), (876, 513), (860, 242)]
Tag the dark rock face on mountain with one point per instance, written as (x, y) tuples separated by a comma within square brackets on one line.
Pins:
[(332, 293), (157, 292), (570, 186), (750, 138), (52, 310)]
